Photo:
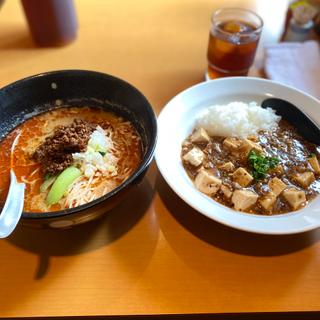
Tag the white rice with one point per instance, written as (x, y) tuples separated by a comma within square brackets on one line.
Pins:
[(237, 119)]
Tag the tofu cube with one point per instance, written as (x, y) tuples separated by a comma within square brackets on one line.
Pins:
[(267, 202), (243, 199), (200, 135), (227, 192), (207, 183), (314, 164), (276, 186), (294, 197), (232, 143), (304, 179), (277, 170), (242, 176), (249, 145), (195, 157), (228, 167)]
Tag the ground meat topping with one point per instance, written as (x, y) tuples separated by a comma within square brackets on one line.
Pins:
[(55, 153)]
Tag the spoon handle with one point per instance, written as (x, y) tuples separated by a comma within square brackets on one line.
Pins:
[(13, 207)]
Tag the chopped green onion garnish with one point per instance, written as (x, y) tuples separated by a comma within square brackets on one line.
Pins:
[(261, 164)]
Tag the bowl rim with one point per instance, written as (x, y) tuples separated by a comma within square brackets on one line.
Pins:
[(147, 158), (201, 203)]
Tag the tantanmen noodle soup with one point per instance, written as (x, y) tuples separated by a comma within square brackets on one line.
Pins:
[(69, 156)]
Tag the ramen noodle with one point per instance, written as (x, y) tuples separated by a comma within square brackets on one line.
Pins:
[(69, 156)]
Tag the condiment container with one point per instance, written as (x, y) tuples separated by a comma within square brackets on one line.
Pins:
[(51, 22)]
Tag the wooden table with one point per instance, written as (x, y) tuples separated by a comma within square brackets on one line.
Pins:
[(153, 254)]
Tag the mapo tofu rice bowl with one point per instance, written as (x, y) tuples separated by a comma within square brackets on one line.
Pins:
[(251, 160), (239, 163)]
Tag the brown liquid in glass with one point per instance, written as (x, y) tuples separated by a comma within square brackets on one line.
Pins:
[(231, 50)]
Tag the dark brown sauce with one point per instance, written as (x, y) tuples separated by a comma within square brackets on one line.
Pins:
[(283, 142)]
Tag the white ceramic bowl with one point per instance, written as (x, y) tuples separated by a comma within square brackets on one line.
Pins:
[(176, 122)]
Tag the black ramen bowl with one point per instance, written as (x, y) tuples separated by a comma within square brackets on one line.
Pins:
[(37, 94)]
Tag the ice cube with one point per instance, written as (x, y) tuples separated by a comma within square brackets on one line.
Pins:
[(224, 46), (232, 26), (237, 27), (235, 38)]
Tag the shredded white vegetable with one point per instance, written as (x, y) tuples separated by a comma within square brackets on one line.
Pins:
[(99, 165)]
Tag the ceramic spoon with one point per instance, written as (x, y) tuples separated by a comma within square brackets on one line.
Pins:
[(302, 123), (13, 206)]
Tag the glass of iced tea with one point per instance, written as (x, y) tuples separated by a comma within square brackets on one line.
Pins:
[(233, 40)]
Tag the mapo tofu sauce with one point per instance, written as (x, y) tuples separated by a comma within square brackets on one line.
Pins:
[(271, 173)]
